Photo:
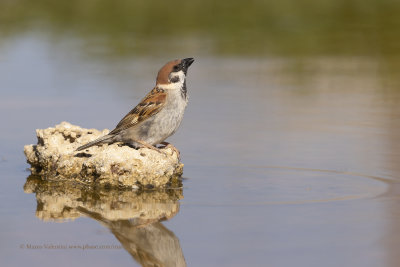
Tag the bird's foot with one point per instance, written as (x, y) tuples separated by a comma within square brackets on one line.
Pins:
[(168, 145), (147, 145)]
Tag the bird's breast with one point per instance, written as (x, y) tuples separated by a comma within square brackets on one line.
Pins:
[(163, 124)]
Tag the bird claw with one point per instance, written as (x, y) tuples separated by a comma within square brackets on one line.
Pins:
[(174, 149), (166, 145)]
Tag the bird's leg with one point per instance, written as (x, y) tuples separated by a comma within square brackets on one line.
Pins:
[(166, 144), (148, 146)]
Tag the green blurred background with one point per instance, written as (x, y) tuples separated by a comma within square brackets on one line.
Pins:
[(251, 28)]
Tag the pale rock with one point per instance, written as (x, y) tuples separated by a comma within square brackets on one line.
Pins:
[(55, 158)]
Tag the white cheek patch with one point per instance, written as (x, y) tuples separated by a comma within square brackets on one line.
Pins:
[(173, 85), (179, 75)]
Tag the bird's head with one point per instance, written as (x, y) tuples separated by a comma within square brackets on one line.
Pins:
[(174, 73)]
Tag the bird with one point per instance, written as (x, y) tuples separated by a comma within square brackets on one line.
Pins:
[(158, 115)]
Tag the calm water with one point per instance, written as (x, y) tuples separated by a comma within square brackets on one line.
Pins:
[(290, 159)]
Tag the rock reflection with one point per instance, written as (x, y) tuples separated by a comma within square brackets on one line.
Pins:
[(133, 217)]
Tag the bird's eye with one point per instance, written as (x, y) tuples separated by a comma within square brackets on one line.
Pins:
[(176, 68)]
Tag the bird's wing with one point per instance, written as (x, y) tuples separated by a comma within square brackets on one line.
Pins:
[(149, 106)]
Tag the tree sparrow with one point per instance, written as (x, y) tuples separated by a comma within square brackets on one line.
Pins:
[(158, 115)]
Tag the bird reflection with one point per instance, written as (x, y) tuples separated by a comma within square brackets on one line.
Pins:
[(133, 217)]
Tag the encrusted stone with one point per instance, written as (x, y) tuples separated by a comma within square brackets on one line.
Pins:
[(55, 158)]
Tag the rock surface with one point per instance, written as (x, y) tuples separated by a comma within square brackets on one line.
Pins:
[(54, 158)]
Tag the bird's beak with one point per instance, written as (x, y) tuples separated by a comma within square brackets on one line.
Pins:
[(187, 62)]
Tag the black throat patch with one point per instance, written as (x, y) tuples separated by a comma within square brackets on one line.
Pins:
[(184, 90)]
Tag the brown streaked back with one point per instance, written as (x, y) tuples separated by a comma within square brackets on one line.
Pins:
[(162, 77), (149, 106)]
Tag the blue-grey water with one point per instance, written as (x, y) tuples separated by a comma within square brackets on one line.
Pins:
[(289, 161)]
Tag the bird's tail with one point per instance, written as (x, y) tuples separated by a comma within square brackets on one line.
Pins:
[(100, 140)]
